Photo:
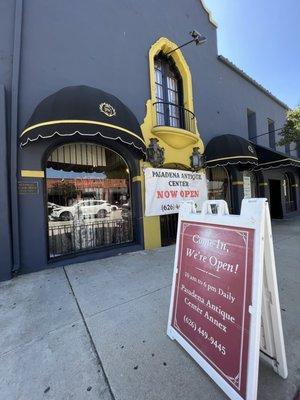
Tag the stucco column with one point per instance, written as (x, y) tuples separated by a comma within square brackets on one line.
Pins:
[(237, 188)]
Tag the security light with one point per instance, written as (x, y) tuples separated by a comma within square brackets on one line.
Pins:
[(198, 37)]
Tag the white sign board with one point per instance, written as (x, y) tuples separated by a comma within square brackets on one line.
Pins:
[(224, 303), (166, 189), (247, 187)]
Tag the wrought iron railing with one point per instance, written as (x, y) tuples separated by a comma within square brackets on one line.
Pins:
[(171, 114), (70, 237)]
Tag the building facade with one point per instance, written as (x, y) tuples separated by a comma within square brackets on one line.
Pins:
[(87, 91)]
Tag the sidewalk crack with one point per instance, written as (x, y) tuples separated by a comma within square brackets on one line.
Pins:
[(129, 301), (100, 364)]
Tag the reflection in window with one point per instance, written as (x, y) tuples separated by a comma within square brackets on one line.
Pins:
[(289, 193), (89, 202), (218, 184), (168, 92)]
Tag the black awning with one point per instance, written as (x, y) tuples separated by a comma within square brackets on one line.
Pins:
[(234, 150), (83, 111), (230, 150), (268, 158)]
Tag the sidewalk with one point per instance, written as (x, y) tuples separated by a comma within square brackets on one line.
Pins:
[(97, 330)]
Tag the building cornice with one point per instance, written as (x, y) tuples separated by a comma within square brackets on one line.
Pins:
[(209, 14), (240, 72)]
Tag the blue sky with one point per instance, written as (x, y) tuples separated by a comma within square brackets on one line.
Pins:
[(263, 39)]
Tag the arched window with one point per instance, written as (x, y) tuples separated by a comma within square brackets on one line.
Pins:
[(289, 193), (88, 193), (218, 184), (169, 96)]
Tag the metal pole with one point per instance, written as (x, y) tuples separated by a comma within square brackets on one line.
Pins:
[(179, 47), (14, 135)]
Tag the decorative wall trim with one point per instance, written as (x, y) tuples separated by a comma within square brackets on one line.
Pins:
[(280, 161), (248, 78), (27, 173), (165, 45), (282, 165), (263, 184), (80, 121), (137, 179), (209, 14), (229, 158), (237, 183), (88, 135)]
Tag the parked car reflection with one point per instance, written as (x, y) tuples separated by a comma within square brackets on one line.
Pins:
[(112, 216), (126, 210), (51, 207), (90, 209), (86, 233)]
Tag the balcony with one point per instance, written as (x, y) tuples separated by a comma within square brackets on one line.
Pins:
[(175, 125)]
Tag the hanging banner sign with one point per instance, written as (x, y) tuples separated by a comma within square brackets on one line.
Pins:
[(216, 303), (166, 189)]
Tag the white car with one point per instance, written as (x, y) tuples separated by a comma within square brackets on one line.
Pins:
[(51, 207), (88, 208)]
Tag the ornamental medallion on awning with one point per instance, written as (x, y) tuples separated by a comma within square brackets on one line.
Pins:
[(83, 111)]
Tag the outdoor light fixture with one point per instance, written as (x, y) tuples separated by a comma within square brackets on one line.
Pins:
[(198, 38), (155, 153), (196, 159)]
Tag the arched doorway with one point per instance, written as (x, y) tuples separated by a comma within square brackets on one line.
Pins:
[(88, 199)]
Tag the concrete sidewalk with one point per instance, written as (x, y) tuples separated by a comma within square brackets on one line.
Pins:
[(97, 330)]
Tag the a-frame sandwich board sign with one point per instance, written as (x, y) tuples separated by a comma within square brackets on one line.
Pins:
[(224, 290)]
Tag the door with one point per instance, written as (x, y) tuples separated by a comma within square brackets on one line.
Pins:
[(275, 198), (168, 229)]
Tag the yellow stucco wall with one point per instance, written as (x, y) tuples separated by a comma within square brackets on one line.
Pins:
[(178, 143)]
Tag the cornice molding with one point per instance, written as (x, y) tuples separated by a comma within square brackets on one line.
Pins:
[(209, 14)]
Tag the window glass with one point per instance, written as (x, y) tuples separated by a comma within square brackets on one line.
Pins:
[(89, 203), (251, 122), (271, 130), (218, 184), (168, 96)]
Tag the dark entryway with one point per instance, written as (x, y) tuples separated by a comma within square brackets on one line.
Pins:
[(168, 229), (275, 198)]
